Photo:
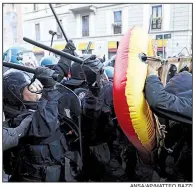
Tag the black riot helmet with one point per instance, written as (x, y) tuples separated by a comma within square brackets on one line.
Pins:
[(185, 68), (77, 71), (172, 72), (173, 69), (14, 82)]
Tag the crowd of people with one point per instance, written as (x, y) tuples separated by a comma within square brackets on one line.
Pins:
[(51, 135)]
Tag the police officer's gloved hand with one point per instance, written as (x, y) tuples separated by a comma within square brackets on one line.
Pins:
[(63, 66), (93, 69), (44, 75), (70, 47)]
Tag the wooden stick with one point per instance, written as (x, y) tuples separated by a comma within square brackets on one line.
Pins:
[(165, 67), (180, 59)]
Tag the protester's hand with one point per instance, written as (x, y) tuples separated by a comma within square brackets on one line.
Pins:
[(93, 68), (44, 75), (153, 67)]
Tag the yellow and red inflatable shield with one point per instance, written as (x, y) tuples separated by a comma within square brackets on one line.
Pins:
[(132, 110)]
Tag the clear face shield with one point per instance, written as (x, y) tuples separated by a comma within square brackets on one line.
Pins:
[(36, 88), (29, 59)]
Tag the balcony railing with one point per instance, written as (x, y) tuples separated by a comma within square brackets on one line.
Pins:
[(157, 23)]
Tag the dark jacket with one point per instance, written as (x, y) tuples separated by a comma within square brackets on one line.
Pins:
[(44, 152), (106, 148), (175, 100)]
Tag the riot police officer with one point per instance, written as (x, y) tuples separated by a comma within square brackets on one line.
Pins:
[(44, 150), (43, 154)]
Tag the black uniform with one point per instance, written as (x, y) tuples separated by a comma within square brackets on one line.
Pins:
[(44, 150), (101, 139), (106, 148), (43, 153)]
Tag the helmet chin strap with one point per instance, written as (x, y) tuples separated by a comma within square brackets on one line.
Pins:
[(16, 97), (25, 104), (30, 105)]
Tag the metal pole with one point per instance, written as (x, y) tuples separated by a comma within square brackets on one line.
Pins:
[(51, 42), (54, 13), (60, 53), (88, 48), (163, 46)]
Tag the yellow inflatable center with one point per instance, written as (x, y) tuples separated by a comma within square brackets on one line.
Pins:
[(132, 110)]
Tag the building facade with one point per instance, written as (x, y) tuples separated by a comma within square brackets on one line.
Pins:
[(171, 28), (170, 25), (12, 25)]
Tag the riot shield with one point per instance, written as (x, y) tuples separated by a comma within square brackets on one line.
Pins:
[(69, 109)]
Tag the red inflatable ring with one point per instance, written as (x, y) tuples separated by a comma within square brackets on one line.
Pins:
[(132, 110)]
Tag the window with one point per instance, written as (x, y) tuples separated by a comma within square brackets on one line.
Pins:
[(59, 32), (37, 31), (159, 37), (167, 36), (157, 17), (35, 7), (85, 25), (117, 26)]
